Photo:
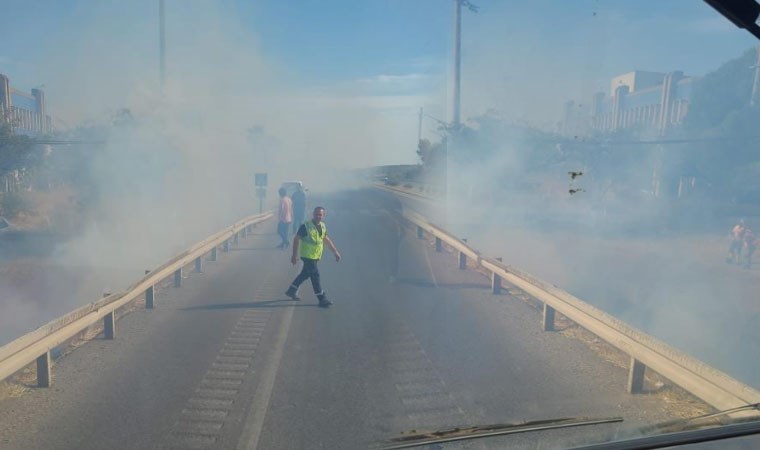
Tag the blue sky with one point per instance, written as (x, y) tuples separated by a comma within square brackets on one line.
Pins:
[(340, 39), (524, 58), (329, 42)]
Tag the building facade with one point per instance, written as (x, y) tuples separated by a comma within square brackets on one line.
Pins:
[(25, 112), (639, 99)]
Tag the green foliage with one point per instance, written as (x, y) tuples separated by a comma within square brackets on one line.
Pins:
[(720, 108), (17, 151), (431, 154), (491, 139), (721, 95)]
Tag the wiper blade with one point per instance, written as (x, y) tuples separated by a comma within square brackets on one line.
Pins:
[(697, 422), (482, 431), (743, 13)]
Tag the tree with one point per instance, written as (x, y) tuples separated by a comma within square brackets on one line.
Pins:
[(17, 152), (430, 153), (720, 108), (720, 96)]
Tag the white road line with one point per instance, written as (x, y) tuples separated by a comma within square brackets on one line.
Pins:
[(205, 413), (210, 403), (249, 439)]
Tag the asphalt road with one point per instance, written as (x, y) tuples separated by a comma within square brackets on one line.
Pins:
[(226, 361)]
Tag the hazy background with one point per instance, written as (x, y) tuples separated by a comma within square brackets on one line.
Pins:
[(303, 89)]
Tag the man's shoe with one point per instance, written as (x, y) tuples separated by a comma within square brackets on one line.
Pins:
[(292, 293), (324, 302)]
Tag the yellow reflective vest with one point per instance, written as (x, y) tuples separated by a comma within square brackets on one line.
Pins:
[(312, 244)]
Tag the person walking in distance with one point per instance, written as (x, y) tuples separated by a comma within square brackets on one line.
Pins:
[(285, 216), (299, 207), (308, 243), (737, 239), (750, 245)]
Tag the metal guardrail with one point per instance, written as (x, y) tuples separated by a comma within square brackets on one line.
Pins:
[(424, 192), (36, 345), (712, 386)]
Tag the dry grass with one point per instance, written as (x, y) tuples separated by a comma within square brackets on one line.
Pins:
[(59, 208), (19, 384)]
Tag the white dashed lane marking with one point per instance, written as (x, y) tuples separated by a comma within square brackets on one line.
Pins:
[(202, 421), (423, 397)]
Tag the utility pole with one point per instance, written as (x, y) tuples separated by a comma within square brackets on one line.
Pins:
[(753, 100), (457, 48), (450, 140), (419, 127), (162, 42), (457, 56)]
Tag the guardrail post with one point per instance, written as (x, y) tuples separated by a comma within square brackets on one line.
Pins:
[(496, 281), (214, 256), (236, 238), (150, 297), (109, 322), (178, 277), (43, 370), (243, 233), (199, 264), (463, 258), (250, 228), (420, 232), (438, 245), (548, 318), (226, 246), (636, 376), (109, 326)]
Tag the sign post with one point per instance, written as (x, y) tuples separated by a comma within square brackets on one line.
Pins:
[(260, 180)]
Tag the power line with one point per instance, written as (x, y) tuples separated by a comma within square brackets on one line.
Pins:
[(717, 139), (4, 140)]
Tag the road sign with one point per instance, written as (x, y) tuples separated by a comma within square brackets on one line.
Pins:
[(260, 180)]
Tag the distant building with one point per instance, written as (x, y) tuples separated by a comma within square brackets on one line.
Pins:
[(638, 99), (26, 113)]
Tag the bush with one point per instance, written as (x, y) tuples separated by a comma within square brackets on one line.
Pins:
[(13, 203)]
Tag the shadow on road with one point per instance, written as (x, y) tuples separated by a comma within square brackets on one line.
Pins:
[(429, 284), (281, 303)]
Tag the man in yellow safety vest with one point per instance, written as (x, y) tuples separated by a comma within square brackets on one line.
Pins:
[(308, 244)]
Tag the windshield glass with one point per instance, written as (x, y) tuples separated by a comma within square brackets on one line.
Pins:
[(301, 224)]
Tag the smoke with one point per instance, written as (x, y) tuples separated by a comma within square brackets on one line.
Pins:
[(178, 161), (181, 163), (655, 262)]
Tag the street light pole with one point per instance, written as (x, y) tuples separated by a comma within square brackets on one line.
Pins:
[(753, 100), (419, 127), (456, 110), (162, 42), (457, 49), (445, 137), (457, 57)]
